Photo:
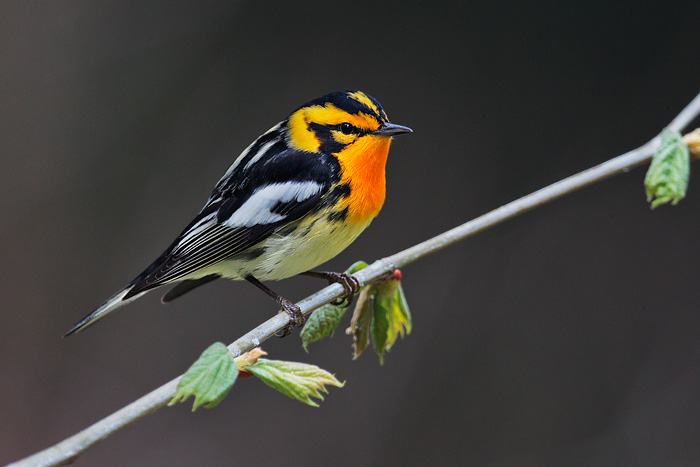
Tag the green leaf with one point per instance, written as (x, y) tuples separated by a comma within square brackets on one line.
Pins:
[(356, 266), (380, 326), (322, 322), (299, 381), (394, 309), (400, 321), (388, 288), (361, 322), (667, 177), (209, 379)]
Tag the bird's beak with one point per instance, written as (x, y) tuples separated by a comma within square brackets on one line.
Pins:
[(391, 129)]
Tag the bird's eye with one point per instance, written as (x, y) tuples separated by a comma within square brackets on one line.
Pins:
[(347, 129)]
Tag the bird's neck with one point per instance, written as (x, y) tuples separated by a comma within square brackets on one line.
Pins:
[(363, 167)]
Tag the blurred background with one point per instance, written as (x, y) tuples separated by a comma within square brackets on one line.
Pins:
[(568, 336)]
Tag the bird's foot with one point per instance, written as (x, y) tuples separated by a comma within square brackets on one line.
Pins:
[(349, 283), (296, 317)]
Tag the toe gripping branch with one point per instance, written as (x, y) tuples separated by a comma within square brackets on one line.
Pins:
[(349, 283), (296, 317)]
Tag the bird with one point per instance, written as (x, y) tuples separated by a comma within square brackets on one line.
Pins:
[(293, 199)]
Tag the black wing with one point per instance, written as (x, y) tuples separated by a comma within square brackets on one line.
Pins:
[(246, 207)]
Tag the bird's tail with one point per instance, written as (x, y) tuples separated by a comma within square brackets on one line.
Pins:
[(112, 303)]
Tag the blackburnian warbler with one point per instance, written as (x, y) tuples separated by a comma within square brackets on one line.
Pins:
[(295, 198)]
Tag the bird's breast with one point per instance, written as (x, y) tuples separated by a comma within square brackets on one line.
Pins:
[(363, 167)]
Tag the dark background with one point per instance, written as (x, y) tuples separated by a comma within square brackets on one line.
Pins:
[(568, 336)]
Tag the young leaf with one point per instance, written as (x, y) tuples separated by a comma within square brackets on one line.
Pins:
[(667, 177), (388, 288), (299, 381), (380, 326), (400, 321), (249, 358), (322, 323), (361, 322), (390, 302), (209, 379)]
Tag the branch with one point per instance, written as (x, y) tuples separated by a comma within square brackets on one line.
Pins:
[(70, 448)]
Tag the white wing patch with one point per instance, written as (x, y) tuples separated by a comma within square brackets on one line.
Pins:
[(256, 209)]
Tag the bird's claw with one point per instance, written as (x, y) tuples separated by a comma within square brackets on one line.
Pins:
[(349, 283), (284, 332), (296, 318)]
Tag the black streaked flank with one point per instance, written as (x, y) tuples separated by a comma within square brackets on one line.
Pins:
[(338, 192), (338, 216), (250, 255), (308, 228)]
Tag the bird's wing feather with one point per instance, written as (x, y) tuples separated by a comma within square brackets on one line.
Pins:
[(277, 190)]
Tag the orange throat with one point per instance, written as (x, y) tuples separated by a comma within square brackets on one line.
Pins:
[(363, 167)]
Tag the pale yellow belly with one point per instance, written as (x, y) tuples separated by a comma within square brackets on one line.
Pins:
[(286, 256)]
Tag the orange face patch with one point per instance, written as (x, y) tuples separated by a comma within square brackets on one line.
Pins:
[(363, 165)]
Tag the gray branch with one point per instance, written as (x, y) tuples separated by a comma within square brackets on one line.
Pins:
[(70, 448)]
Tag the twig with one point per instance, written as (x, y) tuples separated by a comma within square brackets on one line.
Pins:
[(70, 448)]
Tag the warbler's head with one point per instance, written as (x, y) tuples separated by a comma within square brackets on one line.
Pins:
[(338, 120)]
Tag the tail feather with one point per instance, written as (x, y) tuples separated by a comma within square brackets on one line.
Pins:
[(112, 303)]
